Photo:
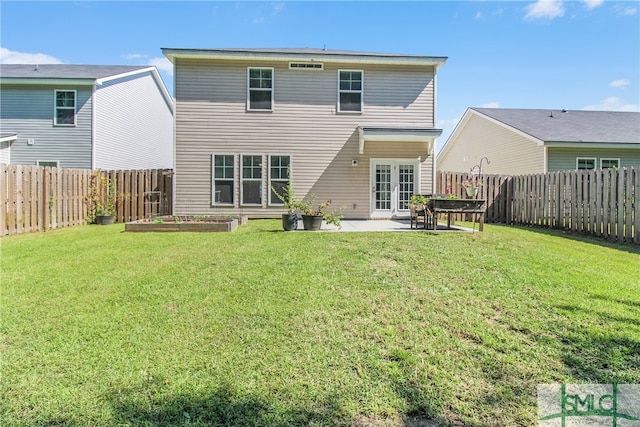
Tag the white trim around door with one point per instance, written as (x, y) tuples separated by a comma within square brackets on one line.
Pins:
[(392, 183)]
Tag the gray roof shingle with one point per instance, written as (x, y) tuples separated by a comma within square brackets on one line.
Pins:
[(571, 125), (65, 71)]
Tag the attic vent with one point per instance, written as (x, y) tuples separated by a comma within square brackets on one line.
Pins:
[(306, 66)]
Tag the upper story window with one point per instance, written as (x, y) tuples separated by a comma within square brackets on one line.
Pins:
[(65, 109), (585, 163), (609, 163), (350, 91), (260, 89)]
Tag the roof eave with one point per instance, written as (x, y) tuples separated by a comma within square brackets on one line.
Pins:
[(397, 134), (173, 54), (583, 144), (47, 81)]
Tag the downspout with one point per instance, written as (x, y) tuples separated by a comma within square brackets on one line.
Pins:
[(545, 159)]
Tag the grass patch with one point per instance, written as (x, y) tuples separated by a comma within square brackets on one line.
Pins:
[(261, 327)]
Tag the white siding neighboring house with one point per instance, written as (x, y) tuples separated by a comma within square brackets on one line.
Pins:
[(353, 127), (86, 116), (527, 141)]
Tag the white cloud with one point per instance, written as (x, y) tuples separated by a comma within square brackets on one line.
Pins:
[(629, 11), (478, 15), (549, 9), (12, 57), (490, 105), (592, 4), (612, 103), (619, 83), (163, 64), (277, 7), (134, 56)]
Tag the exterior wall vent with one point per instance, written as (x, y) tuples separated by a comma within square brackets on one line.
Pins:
[(306, 65)]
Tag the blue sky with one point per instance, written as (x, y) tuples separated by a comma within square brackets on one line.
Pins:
[(511, 54)]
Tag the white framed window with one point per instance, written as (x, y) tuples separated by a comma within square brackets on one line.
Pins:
[(279, 176), (609, 163), (65, 108), (223, 179), (306, 66), (350, 94), (251, 179), (585, 163), (48, 163), (259, 89)]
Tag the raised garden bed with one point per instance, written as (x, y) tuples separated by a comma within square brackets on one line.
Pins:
[(184, 223)]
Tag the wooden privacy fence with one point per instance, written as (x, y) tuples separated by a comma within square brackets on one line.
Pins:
[(602, 203), (37, 198)]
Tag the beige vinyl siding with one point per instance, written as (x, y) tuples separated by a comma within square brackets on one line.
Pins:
[(134, 125), (29, 112), (564, 158), (508, 152), (211, 117)]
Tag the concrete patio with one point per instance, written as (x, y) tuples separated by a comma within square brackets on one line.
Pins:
[(355, 225)]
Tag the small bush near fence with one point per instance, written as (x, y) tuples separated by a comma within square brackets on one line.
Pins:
[(41, 198), (602, 203)]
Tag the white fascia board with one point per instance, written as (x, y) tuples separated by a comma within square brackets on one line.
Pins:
[(435, 61), (102, 80), (56, 82), (456, 131), (9, 138), (623, 145), (154, 72), (532, 138), (397, 135)]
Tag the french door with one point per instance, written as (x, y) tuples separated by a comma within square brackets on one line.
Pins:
[(393, 181)]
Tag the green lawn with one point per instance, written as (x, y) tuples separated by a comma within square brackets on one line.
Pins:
[(261, 327)]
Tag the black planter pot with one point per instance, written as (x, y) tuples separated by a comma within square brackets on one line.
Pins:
[(289, 221), (105, 219), (312, 222)]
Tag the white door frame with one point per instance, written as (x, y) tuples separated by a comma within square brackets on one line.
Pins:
[(394, 163)]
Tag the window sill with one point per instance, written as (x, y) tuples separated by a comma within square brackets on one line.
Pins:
[(259, 111)]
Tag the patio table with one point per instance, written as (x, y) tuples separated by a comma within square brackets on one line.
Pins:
[(457, 206)]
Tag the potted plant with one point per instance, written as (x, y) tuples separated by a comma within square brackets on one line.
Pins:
[(313, 214), (290, 218), (102, 199), (471, 186)]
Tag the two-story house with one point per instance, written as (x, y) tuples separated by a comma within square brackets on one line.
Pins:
[(85, 116), (353, 127)]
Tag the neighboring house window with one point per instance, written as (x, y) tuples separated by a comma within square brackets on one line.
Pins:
[(278, 177), (350, 91), (260, 91), (585, 163), (251, 180), (609, 163), (65, 114), (47, 164), (223, 179)]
